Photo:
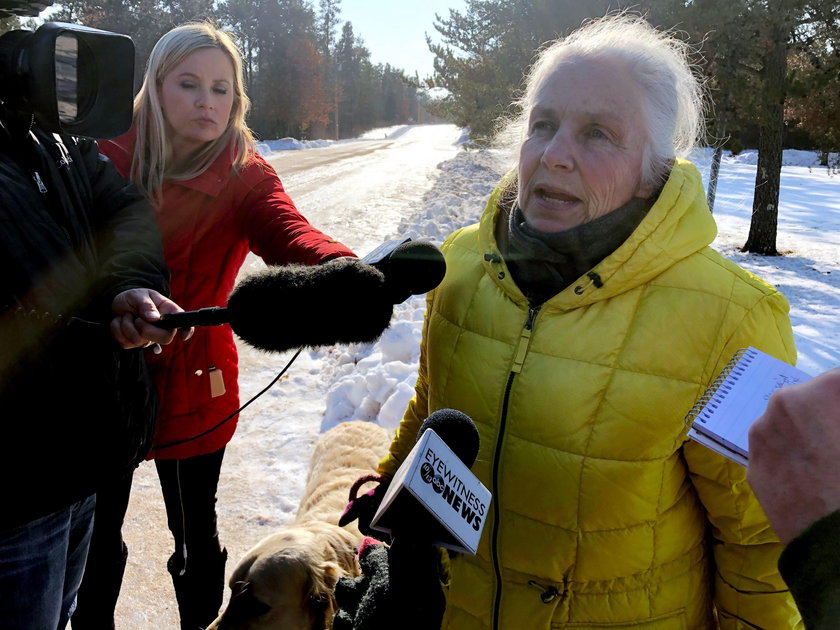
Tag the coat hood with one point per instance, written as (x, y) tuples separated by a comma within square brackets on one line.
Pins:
[(678, 224)]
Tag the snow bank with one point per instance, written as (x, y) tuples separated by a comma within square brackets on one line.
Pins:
[(376, 381)]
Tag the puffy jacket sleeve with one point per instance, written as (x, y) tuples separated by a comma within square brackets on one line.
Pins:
[(128, 240), (748, 589), (276, 230)]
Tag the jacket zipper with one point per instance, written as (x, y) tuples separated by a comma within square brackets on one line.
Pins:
[(39, 182), (518, 360)]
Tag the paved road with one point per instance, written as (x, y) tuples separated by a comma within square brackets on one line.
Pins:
[(359, 191)]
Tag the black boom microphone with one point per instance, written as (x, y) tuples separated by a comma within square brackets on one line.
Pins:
[(410, 267), (345, 300)]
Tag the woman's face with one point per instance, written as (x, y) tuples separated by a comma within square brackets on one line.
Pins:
[(197, 96), (582, 157)]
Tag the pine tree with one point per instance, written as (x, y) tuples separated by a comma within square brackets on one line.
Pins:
[(145, 21), (814, 83), (487, 48), (327, 24), (348, 60)]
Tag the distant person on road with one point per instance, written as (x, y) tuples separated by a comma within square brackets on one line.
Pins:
[(577, 324), (191, 152), (794, 450)]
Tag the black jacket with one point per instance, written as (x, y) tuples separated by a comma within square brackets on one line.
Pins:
[(810, 565), (76, 409)]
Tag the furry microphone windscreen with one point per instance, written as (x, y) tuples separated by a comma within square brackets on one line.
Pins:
[(340, 301)]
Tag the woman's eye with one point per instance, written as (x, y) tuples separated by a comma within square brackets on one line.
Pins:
[(187, 84), (597, 134), (543, 126), (220, 90)]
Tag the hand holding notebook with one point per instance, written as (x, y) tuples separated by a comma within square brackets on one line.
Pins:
[(722, 417)]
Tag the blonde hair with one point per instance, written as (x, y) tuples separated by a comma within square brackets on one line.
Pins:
[(673, 95), (149, 167)]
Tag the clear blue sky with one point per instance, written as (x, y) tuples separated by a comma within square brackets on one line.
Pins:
[(394, 31)]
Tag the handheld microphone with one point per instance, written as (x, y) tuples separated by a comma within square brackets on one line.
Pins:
[(402, 581), (434, 498), (345, 300), (341, 301)]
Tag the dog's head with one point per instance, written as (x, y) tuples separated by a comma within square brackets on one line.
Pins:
[(287, 581)]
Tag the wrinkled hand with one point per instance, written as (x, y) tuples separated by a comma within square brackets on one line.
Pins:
[(794, 448), (135, 312), (399, 587), (364, 507)]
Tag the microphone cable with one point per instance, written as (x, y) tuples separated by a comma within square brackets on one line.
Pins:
[(70, 321), (235, 413)]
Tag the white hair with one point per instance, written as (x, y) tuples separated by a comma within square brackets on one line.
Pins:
[(673, 103)]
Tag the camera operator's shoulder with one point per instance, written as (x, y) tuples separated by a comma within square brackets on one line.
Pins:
[(76, 152)]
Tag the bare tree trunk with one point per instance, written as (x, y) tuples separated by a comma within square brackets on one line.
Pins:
[(713, 178), (762, 237), (337, 137)]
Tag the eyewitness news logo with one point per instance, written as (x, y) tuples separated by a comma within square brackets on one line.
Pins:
[(454, 496), (445, 482)]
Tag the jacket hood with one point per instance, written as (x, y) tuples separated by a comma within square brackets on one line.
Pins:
[(678, 224)]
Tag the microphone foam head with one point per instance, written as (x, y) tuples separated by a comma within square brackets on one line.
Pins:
[(340, 301), (457, 430), (415, 266)]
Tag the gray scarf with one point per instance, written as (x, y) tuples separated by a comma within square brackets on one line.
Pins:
[(545, 263)]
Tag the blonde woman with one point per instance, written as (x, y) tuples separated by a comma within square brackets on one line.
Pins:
[(191, 152)]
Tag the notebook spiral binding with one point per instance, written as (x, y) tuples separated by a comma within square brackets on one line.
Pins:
[(717, 391)]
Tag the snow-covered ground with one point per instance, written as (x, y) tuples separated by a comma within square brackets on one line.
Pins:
[(266, 462)]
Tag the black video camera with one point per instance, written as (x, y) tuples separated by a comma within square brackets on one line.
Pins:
[(74, 79)]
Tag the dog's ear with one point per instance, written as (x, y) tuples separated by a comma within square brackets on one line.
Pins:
[(243, 606), (321, 595)]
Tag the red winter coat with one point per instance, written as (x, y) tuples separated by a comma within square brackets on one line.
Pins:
[(209, 224)]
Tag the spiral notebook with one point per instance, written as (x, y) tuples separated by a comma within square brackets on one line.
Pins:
[(722, 417)]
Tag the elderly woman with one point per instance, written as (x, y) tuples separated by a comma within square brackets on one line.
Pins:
[(578, 323)]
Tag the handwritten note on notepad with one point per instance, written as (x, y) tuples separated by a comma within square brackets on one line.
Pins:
[(722, 417)]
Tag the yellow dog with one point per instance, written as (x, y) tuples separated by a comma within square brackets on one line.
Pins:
[(286, 581)]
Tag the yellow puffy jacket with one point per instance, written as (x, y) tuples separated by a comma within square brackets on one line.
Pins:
[(603, 514)]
